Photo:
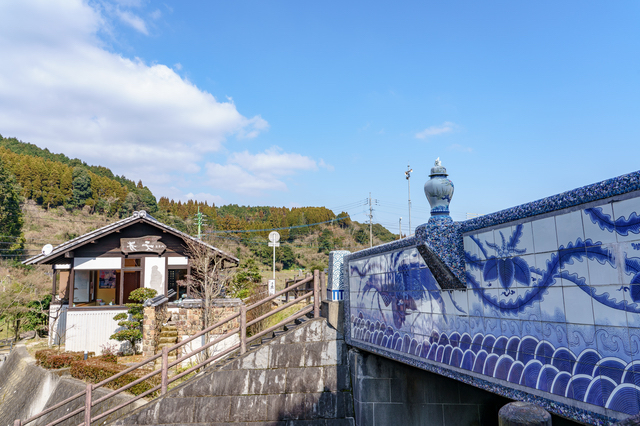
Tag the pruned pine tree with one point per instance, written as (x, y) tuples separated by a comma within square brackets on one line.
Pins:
[(131, 321)]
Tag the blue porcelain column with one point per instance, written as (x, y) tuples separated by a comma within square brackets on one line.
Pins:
[(441, 234), (439, 191), (335, 280)]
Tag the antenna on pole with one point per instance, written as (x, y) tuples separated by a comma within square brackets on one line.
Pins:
[(408, 175), (199, 221), (400, 228), (370, 222)]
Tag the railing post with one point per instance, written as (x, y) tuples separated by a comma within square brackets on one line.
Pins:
[(18, 422), (87, 405), (323, 286), (243, 329), (165, 370), (316, 293)]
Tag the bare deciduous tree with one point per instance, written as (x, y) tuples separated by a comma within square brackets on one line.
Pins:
[(206, 279), (21, 292)]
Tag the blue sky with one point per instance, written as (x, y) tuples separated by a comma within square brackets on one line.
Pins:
[(299, 103)]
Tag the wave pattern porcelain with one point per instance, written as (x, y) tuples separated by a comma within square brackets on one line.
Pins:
[(552, 304)]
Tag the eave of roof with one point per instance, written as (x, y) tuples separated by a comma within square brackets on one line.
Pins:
[(139, 216)]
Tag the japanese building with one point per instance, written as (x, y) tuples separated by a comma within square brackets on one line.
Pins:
[(94, 274), (105, 265)]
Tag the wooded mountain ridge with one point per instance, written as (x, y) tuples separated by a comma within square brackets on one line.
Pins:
[(55, 180)]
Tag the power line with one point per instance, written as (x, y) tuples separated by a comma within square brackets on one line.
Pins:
[(275, 229)]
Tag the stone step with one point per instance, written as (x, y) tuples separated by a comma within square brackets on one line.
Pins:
[(168, 334), (171, 340), (164, 345), (169, 328)]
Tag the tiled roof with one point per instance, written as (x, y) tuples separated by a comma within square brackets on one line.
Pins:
[(139, 216)]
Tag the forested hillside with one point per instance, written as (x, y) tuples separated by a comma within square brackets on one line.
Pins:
[(64, 185), (53, 180), (48, 198)]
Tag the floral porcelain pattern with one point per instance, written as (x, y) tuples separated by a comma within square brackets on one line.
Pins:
[(552, 304)]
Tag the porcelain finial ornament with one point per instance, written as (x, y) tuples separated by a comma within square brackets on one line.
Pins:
[(439, 191)]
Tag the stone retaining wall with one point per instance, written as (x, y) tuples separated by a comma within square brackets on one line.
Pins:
[(299, 378)]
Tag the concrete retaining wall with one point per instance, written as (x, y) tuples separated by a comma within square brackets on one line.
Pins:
[(296, 378), (26, 389)]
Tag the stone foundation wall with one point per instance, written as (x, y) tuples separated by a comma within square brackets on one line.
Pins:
[(154, 318), (187, 317)]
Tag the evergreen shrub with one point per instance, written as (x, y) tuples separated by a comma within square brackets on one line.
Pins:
[(95, 370), (54, 359)]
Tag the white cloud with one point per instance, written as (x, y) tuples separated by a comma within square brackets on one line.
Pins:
[(134, 21), (445, 127), (66, 91), (177, 66), (273, 161), (253, 127), (254, 174), (130, 3), (156, 14), (460, 148), (324, 165), (234, 178)]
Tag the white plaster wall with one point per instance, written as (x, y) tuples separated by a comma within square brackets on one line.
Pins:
[(175, 261), (85, 263), (89, 330), (154, 273)]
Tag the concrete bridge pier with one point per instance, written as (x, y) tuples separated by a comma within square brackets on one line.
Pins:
[(387, 392)]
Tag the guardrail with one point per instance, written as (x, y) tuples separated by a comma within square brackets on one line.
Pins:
[(165, 380)]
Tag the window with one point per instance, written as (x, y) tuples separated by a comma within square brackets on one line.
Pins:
[(176, 275), (96, 287), (132, 263)]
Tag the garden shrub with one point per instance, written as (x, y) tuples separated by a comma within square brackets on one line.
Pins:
[(54, 359), (132, 328), (112, 358), (95, 370)]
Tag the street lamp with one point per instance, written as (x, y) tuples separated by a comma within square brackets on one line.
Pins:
[(408, 175)]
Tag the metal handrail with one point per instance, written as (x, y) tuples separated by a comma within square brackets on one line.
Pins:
[(164, 355)]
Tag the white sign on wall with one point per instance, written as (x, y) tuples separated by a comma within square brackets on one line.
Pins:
[(272, 287)]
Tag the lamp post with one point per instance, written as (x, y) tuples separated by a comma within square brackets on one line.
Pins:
[(274, 239), (408, 175)]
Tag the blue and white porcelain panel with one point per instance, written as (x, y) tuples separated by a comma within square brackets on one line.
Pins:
[(335, 278), (552, 304)]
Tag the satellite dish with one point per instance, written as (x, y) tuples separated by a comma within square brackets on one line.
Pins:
[(47, 249), (274, 237)]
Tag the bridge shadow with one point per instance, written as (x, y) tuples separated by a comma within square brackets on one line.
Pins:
[(388, 392)]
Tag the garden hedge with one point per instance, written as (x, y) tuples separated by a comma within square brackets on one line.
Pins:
[(54, 359), (95, 370)]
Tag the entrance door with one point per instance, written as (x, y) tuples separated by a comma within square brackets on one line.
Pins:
[(131, 282)]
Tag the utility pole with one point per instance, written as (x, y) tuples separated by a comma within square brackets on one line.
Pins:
[(199, 217), (400, 229), (408, 175), (370, 222)]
